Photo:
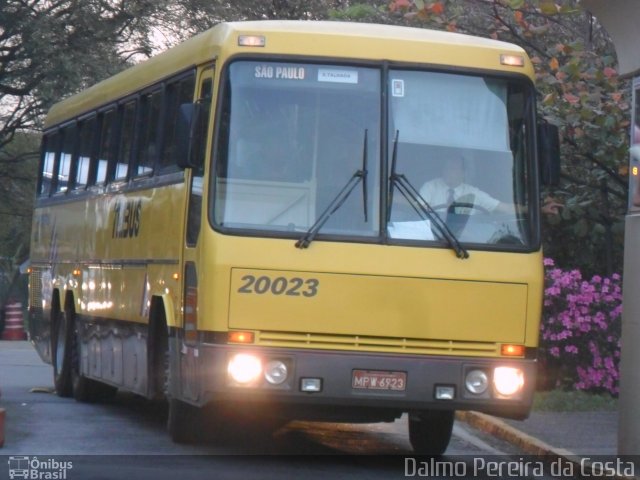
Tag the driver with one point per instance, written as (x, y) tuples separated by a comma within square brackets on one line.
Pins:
[(450, 188)]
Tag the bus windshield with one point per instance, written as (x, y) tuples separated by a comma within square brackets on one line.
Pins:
[(293, 135), (461, 142)]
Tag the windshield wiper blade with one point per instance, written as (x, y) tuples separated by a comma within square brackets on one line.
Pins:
[(338, 201), (365, 171), (419, 204), (335, 204), (394, 158), (424, 210)]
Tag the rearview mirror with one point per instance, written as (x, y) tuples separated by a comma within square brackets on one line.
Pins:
[(549, 153), (190, 135)]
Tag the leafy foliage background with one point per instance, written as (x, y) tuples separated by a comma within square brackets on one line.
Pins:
[(50, 49)]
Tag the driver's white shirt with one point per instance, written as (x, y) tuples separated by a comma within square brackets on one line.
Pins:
[(436, 193)]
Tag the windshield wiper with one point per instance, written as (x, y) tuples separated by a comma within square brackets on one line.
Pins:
[(340, 198), (419, 204), (365, 196)]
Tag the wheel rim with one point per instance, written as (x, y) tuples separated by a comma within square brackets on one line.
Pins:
[(75, 355), (60, 342)]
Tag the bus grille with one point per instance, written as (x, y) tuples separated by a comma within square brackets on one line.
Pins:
[(35, 289), (377, 344)]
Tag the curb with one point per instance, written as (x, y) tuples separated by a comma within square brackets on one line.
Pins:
[(500, 429), (527, 443)]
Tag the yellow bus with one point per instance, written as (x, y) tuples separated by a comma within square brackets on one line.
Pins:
[(312, 220)]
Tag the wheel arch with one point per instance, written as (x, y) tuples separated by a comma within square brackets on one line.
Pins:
[(169, 309)]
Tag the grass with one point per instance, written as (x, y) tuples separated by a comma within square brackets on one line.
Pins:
[(574, 401)]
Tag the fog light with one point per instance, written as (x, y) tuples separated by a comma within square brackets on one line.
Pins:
[(244, 368), (477, 382), (445, 392), (275, 372), (508, 380), (310, 384)]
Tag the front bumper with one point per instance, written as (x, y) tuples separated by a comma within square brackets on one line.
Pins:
[(335, 370)]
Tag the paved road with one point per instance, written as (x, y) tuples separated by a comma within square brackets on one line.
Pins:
[(129, 436)]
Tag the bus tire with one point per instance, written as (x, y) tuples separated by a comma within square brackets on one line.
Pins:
[(61, 354), (158, 353), (430, 431), (182, 423), (84, 389), (184, 420)]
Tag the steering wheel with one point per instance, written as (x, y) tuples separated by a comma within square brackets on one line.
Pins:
[(453, 208), (458, 214)]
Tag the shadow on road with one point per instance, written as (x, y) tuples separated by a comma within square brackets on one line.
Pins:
[(234, 435)]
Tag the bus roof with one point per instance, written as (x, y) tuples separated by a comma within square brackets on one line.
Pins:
[(339, 40)]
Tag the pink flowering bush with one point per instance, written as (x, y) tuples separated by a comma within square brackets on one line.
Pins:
[(580, 331)]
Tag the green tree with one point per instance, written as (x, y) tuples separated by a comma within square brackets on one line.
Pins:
[(181, 19), (580, 91), (18, 180), (50, 49)]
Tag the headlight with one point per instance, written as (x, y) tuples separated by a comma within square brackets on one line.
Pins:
[(508, 380), (244, 368), (477, 382), (275, 372)]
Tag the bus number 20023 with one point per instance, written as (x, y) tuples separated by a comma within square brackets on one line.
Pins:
[(293, 287)]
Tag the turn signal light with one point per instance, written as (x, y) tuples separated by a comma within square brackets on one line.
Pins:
[(512, 350), (251, 41), (512, 60), (241, 337)]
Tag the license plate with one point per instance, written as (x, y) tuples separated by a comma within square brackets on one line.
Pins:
[(379, 380)]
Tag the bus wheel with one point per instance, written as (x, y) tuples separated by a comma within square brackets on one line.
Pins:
[(61, 358), (85, 389), (183, 424), (430, 431), (184, 421)]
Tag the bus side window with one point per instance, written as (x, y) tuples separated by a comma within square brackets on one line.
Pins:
[(86, 138), (69, 137), (127, 129), (147, 151), (177, 93), (106, 151), (49, 152)]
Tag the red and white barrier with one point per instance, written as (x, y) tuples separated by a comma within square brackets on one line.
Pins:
[(2, 415), (13, 324)]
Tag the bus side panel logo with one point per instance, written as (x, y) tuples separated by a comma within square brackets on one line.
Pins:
[(126, 219)]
